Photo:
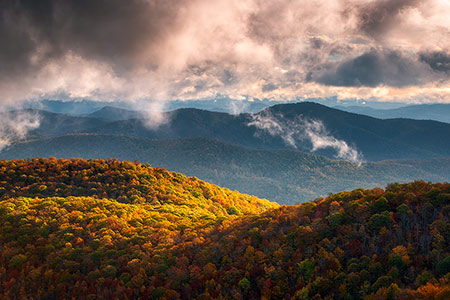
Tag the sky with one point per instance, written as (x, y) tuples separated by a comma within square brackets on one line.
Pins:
[(158, 50)]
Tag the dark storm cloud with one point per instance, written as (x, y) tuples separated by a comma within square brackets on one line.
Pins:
[(17, 46), (438, 61), (111, 31), (372, 69), (377, 17)]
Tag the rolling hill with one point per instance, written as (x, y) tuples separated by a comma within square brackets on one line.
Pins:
[(125, 182), (284, 176), (375, 139), (109, 229)]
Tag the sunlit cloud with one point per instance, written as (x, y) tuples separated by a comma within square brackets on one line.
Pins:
[(155, 50)]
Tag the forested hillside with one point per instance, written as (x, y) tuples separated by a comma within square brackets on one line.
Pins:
[(371, 244), (109, 229), (125, 182), (284, 176)]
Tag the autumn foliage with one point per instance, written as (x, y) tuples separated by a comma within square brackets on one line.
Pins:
[(77, 229)]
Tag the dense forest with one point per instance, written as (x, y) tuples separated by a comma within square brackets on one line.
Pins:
[(96, 229)]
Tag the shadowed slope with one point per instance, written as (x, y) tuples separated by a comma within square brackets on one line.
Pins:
[(285, 176)]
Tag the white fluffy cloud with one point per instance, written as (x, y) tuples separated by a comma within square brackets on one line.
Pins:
[(303, 129)]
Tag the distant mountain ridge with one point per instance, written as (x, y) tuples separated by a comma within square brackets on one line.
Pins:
[(437, 111), (376, 139), (218, 104), (385, 110), (116, 114), (284, 176)]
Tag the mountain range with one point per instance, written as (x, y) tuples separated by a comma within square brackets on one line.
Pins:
[(274, 154), (228, 105), (218, 104), (278, 127)]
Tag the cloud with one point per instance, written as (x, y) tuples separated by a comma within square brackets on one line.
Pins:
[(16, 125), (378, 17), (373, 69), (157, 50), (115, 32), (438, 61), (303, 129), (320, 139), (237, 107), (265, 121), (47, 44)]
